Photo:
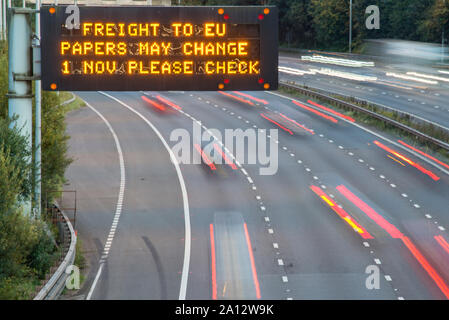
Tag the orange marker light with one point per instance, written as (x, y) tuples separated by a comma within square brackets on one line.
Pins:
[(266, 11), (266, 86), (53, 86), (220, 86), (52, 10), (220, 11)]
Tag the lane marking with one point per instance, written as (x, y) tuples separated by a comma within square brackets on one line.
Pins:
[(283, 128), (188, 236), (297, 124), (237, 98), (213, 262), (426, 265), (331, 111), (204, 157), (410, 162), (251, 97), (342, 213), (424, 154), (381, 221), (375, 134), (253, 265), (119, 205), (332, 119), (225, 157)]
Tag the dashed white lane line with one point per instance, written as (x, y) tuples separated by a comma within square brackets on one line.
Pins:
[(388, 278), (280, 262), (185, 199), (119, 205), (377, 261), (284, 279), (366, 244), (275, 245)]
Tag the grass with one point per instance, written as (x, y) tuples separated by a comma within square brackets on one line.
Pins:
[(374, 123)]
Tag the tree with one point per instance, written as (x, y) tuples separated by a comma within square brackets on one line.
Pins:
[(330, 22), (435, 21)]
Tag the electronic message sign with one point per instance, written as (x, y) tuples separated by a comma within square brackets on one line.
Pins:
[(160, 48)]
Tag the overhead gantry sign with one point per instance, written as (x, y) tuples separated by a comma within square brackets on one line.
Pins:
[(160, 48)]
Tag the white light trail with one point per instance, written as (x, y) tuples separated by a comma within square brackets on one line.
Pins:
[(428, 76), (338, 61), (405, 77)]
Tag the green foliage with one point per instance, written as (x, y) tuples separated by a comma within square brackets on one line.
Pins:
[(43, 253), (27, 250), (330, 21), (324, 24), (15, 172), (54, 143)]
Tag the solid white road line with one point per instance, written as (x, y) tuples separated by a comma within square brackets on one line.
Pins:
[(118, 209), (187, 242), (371, 132)]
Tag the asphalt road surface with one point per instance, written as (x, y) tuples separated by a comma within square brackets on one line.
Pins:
[(427, 100), (343, 204)]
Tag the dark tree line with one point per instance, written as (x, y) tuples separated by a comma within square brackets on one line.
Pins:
[(324, 24)]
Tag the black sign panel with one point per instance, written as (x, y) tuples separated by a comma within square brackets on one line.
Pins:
[(160, 48)]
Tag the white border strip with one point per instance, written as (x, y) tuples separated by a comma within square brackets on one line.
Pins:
[(187, 240), (369, 131), (119, 206)]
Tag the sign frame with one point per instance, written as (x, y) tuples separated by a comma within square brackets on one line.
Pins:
[(54, 17)]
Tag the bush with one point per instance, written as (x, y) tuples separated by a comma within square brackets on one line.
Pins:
[(26, 250), (54, 144)]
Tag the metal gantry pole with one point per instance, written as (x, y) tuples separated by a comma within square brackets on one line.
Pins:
[(37, 138), (350, 26), (5, 22), (19, 78), (2, 20)]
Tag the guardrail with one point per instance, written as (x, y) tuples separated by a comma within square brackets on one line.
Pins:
[(54, 286), (317, 93), (69, 100)]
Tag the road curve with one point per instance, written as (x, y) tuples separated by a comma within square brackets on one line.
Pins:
[(339, 203)]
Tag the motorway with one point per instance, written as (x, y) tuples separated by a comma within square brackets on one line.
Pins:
[(426, 100), (343, 199)]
